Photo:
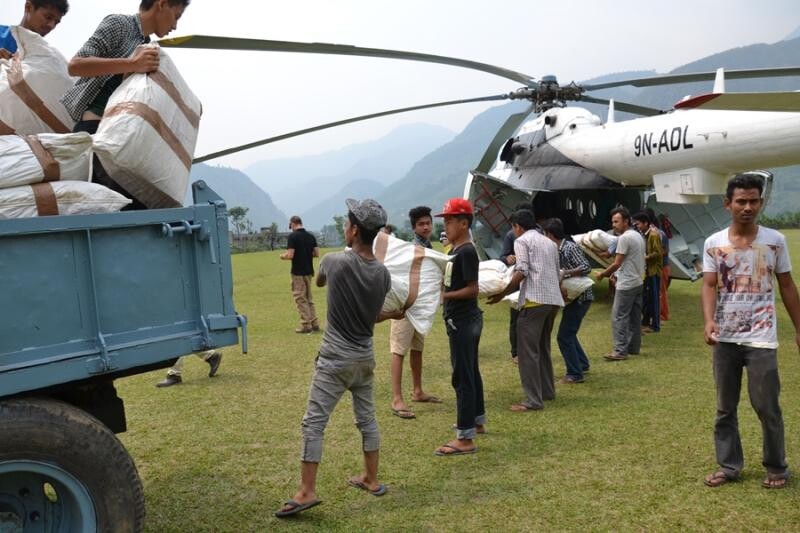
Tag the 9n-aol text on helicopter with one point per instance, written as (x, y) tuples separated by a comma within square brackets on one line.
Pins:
[(567, 162)]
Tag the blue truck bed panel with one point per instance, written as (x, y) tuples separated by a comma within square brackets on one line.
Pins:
[(99, 295)]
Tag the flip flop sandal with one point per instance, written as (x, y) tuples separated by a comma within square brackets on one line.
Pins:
[(717, 479), (295, 507), (519, 408), (403, 413), (358, 484), (771, 479), (441, 452), (428, 399)]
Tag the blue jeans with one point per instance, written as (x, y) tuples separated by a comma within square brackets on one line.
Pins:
[(512, 330), (651, 316), (464, 335), (571, 350)]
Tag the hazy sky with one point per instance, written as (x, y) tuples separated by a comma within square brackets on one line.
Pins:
[(252, 95)]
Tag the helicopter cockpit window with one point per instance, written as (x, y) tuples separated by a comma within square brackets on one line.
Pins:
[(506, 154)]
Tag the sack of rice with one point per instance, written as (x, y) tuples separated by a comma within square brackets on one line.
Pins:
[(147, 137), (59, 198), (31, 84), (512, 299), (576, 286), (29, 159), (417, 275), (493, 277), (601, 240)]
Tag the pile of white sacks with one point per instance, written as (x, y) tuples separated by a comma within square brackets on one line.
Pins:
[(145, 141)]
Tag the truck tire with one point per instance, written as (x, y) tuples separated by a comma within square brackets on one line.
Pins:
[(63, 470)]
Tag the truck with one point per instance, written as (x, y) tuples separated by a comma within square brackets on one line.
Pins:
[(86, 300)]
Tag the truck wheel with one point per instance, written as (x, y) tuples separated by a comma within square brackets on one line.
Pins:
[(62, 470)]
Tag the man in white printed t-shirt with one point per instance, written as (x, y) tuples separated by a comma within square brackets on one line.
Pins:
[(629, 265), (740, 265)]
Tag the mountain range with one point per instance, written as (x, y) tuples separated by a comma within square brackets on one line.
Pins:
[(425, 164), (315, 187)]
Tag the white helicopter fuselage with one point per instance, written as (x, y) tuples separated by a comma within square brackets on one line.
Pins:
[(632, 152)]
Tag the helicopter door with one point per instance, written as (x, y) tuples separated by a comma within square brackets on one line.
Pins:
[(690, 224), (494, 200)]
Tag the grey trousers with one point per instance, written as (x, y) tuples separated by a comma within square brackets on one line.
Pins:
[(177, 368), (331, 380), (534, 330), (626, 321), (763, 387)]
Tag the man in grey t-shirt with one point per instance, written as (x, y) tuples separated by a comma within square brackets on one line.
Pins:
[(626, 313), (357, 286)]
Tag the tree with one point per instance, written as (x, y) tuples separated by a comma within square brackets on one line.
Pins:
[(338, 221), (273, 235), (238, 216)]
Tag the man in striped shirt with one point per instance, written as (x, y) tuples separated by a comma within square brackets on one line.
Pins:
[(536, 275)]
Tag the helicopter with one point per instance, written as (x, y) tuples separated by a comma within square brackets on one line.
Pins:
[(565, 161)]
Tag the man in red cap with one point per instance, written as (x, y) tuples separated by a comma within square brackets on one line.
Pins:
[(464, 322)]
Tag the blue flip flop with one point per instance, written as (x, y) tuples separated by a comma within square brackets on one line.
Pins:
[(380, 491), (295, 508)]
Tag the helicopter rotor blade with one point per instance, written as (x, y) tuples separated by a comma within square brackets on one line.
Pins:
[(670, 79), (624, 106), (341, 123), (506, 130), (209, 42)]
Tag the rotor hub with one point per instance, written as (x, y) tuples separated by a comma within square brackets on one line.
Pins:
[(547, 93)]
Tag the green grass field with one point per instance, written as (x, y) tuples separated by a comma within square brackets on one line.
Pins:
[(627, 450)]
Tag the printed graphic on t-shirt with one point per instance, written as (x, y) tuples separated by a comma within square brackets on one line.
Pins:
[(745, 296)]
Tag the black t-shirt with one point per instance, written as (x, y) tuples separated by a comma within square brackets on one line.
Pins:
[(303, 244), (460, 270)]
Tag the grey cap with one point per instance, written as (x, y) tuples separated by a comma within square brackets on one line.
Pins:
[(369, 213)]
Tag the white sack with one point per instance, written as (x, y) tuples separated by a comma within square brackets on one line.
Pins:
[(576, 286), (19, 165), (147, 137), (596, 240), (493, 277), (512, 299), (44, 77), (398, 260), (72, 198)]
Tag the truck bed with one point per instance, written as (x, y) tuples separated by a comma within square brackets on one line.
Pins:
[(111, 294)]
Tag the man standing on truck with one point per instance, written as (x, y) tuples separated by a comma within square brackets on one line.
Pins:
[(301, 251), (112, 52), (40, 16), (357, 286)]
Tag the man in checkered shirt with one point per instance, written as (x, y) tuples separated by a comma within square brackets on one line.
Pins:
[(537, 277), (110, 53)]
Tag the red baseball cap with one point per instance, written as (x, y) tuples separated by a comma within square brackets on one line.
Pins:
[(456, 206)]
